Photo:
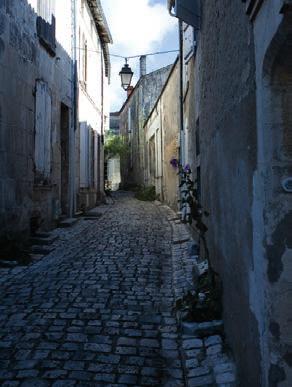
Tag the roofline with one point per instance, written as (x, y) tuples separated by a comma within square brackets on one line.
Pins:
[(103, 31), (162, 90), (138, 83)]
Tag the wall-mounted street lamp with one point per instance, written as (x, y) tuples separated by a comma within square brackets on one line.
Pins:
[(126, 75)]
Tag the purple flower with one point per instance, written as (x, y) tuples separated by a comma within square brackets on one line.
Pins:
[(174, 162), (187, 168)]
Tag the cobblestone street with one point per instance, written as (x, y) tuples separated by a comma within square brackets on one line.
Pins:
[(98, 309)]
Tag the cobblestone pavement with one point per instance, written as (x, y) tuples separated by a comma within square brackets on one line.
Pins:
[(98, 309)]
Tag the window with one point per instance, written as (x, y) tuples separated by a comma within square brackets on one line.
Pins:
[(86, 156), (84, 61), (82, 7), (46, 25), (43, 119)]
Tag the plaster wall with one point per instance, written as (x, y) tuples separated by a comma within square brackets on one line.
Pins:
[(132, 118), (23, 61), (270, 279), (170, 137), (162, 127), (92, 106), (225, 105), (153, 134)]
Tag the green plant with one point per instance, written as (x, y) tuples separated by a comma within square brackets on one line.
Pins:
[(146, 193), (205, 302), (115, 146)]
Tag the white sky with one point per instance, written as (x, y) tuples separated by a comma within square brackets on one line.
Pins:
[(138, 27)]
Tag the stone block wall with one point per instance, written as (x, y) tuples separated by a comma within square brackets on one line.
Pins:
[(226, 110), (23, 61), (133, 115)]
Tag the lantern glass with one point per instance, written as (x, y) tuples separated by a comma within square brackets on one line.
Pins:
[(126, 75)]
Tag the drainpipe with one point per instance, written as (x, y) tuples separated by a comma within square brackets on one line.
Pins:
[(181, 102), (101, 155), (72, 193)]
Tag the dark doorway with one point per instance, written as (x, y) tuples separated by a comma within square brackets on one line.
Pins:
[(64, 159)]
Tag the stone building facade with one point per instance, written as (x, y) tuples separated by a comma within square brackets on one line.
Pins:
[(36, 107), (237, 137), (39, 111), (133, 114), (162, 141), (93, 72), (113, 164)]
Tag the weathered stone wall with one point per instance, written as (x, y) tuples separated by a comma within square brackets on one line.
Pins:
[(226, 109), (237, 121), (132, 118), (91, 106), (23, 61), (170, 126), (272, 205)]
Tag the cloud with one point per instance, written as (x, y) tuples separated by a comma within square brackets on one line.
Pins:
[(137, 27)]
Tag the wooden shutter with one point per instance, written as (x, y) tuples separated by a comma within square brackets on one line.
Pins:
[(84, 153), (43, 122)]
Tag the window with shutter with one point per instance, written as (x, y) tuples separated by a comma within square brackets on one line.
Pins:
[(84, 152), (43, 120), (46, 25), (87, 157)]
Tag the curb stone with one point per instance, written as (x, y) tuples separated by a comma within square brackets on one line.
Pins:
[(205, 360)]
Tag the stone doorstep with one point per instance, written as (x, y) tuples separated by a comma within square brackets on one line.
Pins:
[(78, 214), (38, 249), (204, 329), (227, 377), (92, 214), (8, 264), (180, 240), (36, 257), (69, 222), (41, 240)]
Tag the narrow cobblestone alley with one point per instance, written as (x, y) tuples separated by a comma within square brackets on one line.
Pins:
[(98, 309)]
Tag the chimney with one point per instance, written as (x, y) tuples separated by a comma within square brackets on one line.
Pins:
[(129, 90), (142, 65)]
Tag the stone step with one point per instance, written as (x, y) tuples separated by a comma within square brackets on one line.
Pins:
[(36, 257), (78, 214), (177, 241), (8, 264), (38, 249), (94, 213), (68, 222), (207, 328), (43, 240)]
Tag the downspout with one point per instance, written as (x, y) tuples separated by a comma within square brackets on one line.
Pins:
[(181, 101), (101, 169), (72, 194), (162, 153)]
